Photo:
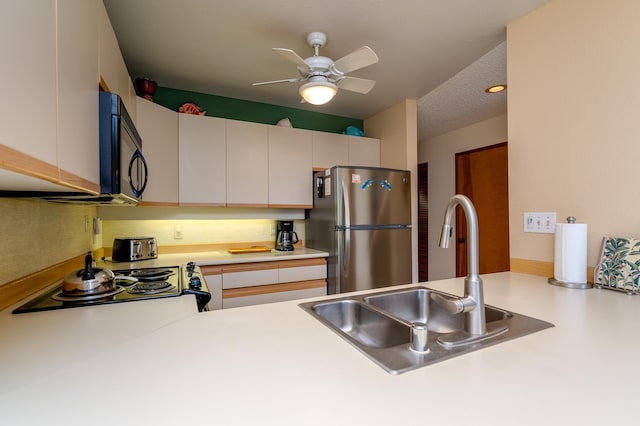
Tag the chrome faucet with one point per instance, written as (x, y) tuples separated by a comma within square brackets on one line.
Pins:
[(472, 304)]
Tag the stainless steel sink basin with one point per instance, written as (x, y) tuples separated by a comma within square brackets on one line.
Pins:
[(363, 324), (416, 305), (379, 325)]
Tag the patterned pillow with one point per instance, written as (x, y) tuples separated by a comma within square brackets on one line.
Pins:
[(619, 265)]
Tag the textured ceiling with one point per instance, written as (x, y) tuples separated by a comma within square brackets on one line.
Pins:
[(221, 47), (461, 100)]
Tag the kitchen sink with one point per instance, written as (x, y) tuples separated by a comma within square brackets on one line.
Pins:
[(363, 324), (380, 326), (416, 305)]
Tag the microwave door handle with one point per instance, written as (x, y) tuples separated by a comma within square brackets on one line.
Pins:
[(143, 173)]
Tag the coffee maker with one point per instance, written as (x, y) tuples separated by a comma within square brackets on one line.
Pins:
[(285, 235)]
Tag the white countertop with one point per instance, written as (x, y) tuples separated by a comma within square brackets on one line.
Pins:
[(276, 365)]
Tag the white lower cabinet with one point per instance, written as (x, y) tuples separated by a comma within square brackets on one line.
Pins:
[(266, 282)]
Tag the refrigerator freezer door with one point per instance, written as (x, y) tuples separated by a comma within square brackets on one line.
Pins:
[(372, 196), (370, 259)]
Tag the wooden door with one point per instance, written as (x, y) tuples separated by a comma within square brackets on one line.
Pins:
[(482, 176), (423, 222)]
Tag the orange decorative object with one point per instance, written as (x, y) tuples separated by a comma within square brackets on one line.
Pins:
[(191, 108)]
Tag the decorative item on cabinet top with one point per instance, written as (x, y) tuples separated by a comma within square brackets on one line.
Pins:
[(146, 87), (191, 108)]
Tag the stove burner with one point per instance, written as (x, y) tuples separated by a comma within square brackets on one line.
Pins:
[(150, 287), (153, 274), (65, 298)]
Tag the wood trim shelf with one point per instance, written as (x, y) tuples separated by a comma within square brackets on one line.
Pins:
[(16, 290), (71, 180), (211, 270), (158, 204), (259, 206), (317, 261), (272, 288), (247, 267), (538, 267), (16, 161), (202, 205), (290, 206)]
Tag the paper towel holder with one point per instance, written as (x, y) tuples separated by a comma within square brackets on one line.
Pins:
[(552, 280)]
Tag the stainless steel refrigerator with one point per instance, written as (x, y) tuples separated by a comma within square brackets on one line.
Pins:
[(361, 216)]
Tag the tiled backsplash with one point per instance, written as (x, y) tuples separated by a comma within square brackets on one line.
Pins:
[(38, 234)]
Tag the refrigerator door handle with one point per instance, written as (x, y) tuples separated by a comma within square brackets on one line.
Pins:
[(347, 226)]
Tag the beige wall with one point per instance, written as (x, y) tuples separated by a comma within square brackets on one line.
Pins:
[(37, 234), (439, 152), (397, 129), (574, 120)]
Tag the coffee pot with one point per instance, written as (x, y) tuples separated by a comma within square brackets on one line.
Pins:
[(286, 237)]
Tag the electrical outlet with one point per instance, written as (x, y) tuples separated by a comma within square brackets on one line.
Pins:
[(543, 223), (177, 233)]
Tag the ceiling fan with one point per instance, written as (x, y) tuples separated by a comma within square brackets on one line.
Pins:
[(322, 75)]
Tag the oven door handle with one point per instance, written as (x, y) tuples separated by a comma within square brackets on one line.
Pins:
[(202, 298)]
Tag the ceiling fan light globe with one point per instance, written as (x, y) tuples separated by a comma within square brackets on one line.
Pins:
[(318, 93)]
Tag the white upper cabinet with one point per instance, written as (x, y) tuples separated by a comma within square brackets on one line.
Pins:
[(247, 164), (363, 151), (333, 149), (290, 169), (78, 149), (329, 149), (203, 160), (158, 128), (28, 83), (113, 70)]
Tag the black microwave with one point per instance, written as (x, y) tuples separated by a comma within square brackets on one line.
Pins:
[(123, 170)]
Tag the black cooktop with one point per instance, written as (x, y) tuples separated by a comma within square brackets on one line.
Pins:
[(165, 282)]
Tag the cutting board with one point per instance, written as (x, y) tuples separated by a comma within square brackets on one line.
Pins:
[(254, 249)]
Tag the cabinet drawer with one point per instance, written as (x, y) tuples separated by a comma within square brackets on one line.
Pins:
[(302, 270), (303, 273), (273, 293), (249, 277)]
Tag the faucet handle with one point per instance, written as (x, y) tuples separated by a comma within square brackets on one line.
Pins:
[(454, 305)]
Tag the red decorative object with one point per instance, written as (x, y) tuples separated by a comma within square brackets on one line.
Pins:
[(191, 108), (146, 87)]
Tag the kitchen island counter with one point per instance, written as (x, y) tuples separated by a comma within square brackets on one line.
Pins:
[(275, 364)]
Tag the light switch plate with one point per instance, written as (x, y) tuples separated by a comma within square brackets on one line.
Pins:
[(544, 223)]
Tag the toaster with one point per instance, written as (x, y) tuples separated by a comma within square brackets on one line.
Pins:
[(131, 249)]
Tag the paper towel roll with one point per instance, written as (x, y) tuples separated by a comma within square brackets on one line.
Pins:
[(571, 253)]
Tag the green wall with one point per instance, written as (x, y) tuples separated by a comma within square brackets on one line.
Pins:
[(237, 109)]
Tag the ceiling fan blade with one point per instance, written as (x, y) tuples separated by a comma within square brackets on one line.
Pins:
[(354, 84), (291, 56), (355, 60), (288, 80)]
